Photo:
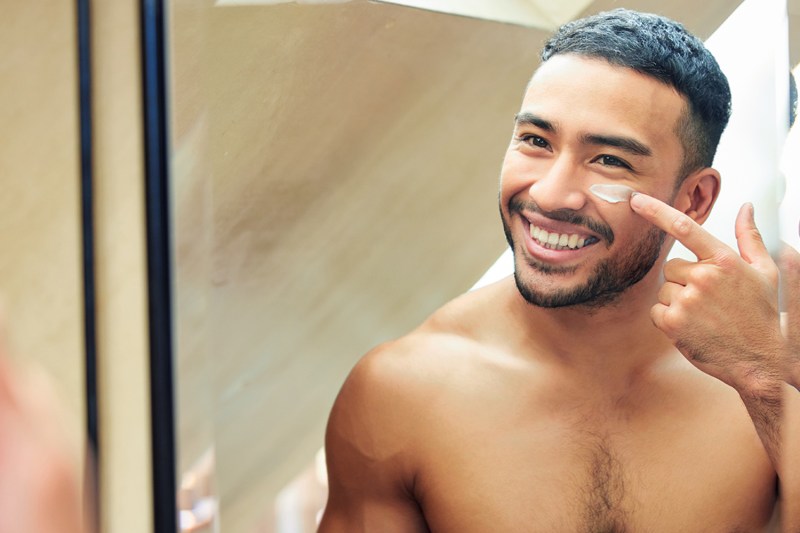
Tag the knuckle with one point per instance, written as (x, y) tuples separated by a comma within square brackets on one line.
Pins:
[(681, 226), (702, 276), (691, 298), (673, 320), (726, 259), (754, 234)]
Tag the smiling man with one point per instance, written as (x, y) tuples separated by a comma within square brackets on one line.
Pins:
[(591, 391)]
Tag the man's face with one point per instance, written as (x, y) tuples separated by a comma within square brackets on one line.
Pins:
[(584, 121)]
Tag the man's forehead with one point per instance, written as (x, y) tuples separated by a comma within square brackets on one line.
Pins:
[(578, 84), (599, 71), (558, 61)]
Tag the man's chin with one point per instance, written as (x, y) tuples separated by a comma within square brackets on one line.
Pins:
[(581, 296), (553, 286)]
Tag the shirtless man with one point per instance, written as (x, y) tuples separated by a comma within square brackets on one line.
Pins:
[(592, 391)]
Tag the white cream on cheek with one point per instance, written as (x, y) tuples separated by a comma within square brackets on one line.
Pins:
[(611, 193)]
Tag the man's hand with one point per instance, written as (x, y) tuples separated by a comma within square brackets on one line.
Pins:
[(721, 311)]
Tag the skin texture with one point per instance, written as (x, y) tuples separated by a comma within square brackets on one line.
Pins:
[(498, 415)]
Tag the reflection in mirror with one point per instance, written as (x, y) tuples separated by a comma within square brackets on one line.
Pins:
[(334, 182)]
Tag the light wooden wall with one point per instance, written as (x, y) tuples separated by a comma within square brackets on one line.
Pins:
[(125, 467), (40, 224), (40, 229)]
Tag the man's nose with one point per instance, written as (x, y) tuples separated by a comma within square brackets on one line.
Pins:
[(561, 187)]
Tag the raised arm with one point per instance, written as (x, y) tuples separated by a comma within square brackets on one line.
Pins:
[(371, 451), (722, 313)]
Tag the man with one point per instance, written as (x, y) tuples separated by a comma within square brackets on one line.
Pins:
[(558, 400)]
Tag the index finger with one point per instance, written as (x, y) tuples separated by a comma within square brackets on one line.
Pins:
[(678, 225)]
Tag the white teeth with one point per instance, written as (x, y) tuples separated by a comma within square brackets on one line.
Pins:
[(556, 241), (573, 240)]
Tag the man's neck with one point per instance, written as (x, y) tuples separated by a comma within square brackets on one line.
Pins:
[(612, 342)]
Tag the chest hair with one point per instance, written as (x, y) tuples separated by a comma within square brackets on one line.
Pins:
[(603, 490)]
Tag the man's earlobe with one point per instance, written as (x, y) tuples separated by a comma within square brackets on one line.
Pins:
[(697, 194)]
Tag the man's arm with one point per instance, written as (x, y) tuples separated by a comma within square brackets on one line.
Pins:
[(371, 450), (722, 313)]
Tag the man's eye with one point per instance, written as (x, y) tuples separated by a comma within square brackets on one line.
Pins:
[(534, 140), (611, 161)]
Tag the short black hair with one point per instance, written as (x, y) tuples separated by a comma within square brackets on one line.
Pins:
[(662, 49)]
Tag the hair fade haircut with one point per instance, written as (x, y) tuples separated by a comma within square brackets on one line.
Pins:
[(662, 49)]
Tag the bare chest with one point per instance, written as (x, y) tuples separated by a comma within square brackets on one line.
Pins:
[(510, 475)]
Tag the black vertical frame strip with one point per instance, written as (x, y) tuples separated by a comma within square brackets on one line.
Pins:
[(87, 231), (159, 272)]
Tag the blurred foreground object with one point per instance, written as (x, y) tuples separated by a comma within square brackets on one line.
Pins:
[(40, 489)]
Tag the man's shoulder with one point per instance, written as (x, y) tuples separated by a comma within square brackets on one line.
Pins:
[(416, 360), (452, 342), (384, 405)]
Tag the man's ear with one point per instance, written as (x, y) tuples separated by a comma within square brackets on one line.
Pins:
[(697, 194)]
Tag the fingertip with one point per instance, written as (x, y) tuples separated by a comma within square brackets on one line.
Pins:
[(637, 200), (745, 219)]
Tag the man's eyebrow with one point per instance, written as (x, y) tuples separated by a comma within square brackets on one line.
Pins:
[(534, 120), (624, 143)]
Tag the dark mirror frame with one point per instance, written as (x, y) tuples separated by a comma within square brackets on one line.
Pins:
[(159, 263), (87, 256)]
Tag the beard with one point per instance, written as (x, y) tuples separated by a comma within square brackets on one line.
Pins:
[(609, 278)]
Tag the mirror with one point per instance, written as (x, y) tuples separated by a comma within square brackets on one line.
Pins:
[(334, 180)]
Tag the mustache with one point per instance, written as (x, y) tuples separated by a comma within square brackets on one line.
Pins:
[(516, 205)]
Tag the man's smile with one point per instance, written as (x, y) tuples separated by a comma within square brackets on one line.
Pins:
[(560, 241), (542, 244)]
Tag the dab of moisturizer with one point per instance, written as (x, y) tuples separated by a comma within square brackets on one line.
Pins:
[(611, 193)]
